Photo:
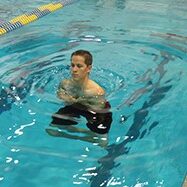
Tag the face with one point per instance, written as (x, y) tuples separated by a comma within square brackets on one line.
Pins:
[(79, 70)]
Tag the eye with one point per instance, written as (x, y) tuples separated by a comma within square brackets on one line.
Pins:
[(79, 65), (72, 65)]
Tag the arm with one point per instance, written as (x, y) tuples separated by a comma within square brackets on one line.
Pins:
[(63, 94), (94, 100)]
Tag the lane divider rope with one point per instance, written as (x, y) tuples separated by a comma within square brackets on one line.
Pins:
[(29, 17)]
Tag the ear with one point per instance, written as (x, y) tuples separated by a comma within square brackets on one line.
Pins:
[(89, 68)]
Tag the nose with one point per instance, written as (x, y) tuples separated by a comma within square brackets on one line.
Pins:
[(74, 68)]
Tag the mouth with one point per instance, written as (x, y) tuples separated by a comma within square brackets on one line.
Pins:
[(75, 75)]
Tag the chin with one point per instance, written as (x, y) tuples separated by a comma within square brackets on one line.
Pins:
[(76, 78)]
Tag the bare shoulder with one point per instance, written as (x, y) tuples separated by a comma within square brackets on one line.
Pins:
[(94, 89), (64, 83)]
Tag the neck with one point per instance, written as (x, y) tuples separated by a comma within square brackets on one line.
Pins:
[(81, 82)]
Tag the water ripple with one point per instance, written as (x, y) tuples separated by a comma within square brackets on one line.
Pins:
[(139, 59)]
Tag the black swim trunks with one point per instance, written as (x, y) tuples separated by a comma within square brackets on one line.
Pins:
[(98, 122)]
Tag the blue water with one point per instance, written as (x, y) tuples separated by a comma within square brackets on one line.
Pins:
[(140, 56)]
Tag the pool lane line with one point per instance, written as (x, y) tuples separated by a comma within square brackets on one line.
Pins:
[(19, 21)]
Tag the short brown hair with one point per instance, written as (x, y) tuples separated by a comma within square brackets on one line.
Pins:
[(86, 54)]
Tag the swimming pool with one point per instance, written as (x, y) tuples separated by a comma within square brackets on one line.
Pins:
[(139, 50)]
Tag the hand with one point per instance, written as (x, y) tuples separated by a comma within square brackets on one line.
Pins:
[(66, 97)]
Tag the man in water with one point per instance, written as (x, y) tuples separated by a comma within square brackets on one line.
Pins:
[(83, 97)]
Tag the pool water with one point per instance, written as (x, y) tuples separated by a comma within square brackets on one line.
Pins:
[(140, 56)]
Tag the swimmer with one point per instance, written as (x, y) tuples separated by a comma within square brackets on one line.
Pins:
[(82, 97)]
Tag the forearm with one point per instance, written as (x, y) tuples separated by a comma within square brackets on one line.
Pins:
[(95, 102), (66, 97)]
